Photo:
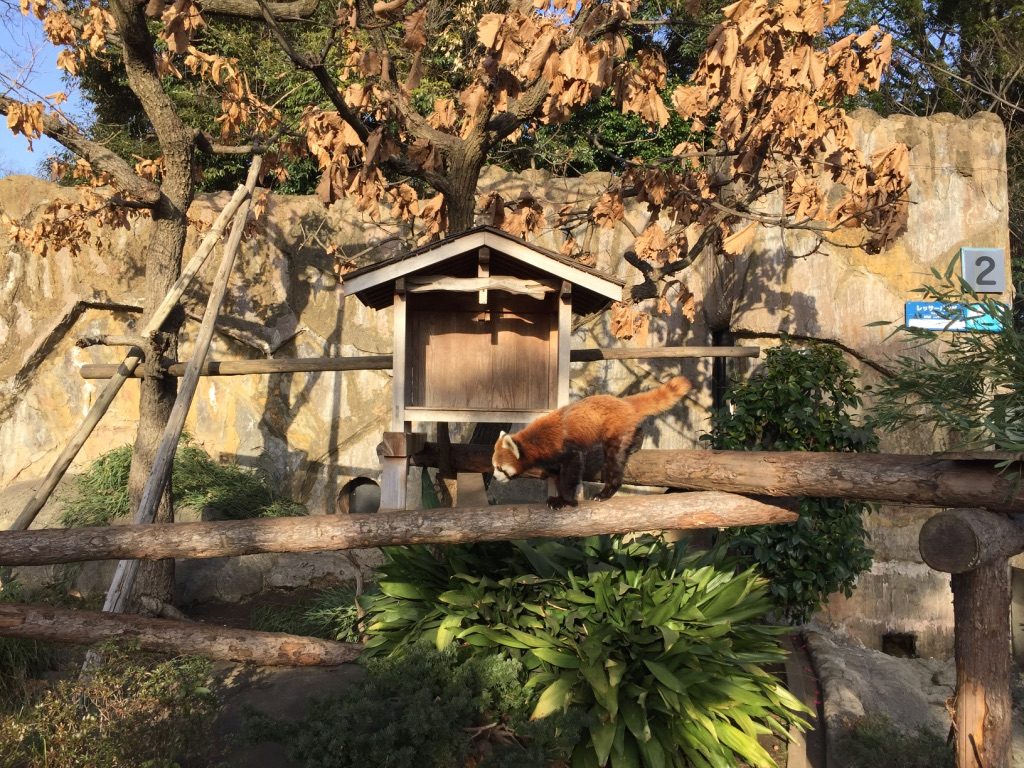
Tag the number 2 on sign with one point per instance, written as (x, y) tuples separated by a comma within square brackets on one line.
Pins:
[(984, 269)]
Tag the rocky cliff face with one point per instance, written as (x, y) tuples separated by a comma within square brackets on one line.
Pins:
[(313, 433)]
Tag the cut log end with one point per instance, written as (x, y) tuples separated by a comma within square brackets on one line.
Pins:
[(961, 540)]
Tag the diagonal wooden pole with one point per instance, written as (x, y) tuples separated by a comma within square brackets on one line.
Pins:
[(130, 362), (127, 570)]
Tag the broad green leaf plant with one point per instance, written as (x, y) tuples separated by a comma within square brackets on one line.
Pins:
[(664, 651)]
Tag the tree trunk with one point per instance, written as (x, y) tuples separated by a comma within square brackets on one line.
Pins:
[(163, 261), (242, 646), (981, 612), (463, 175), (621, 514)]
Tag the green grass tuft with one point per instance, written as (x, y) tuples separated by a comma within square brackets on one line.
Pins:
[(330, 614), (223, 491), (871, 737)]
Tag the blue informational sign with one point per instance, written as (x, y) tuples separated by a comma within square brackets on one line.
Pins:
[(950, 316)]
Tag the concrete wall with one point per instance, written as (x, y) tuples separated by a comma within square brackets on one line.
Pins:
[(313, 433)]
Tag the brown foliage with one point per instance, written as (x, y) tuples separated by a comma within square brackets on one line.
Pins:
[(775, 143)]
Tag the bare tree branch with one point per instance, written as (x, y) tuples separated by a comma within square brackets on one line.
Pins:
[(283, 11), (99, 157), (318, 70)]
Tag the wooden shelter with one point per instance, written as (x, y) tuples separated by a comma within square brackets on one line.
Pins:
[(482, 326), (482, 322)]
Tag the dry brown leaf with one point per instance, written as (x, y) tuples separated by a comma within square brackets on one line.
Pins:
[(736, 243), (608, 210), (415, 30)]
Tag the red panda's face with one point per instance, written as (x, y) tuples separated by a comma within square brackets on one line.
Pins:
[(505, 459)]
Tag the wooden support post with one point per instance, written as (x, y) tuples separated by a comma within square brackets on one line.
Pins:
[(394, 452), (242, 646), (127, 570), (975, 547), (483, 269), (399, 382), (447, 477), (564, 338), (315, 533), (126, 369), (981, 647)]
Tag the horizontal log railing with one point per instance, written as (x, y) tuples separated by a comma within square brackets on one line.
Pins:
[(924, 480), (242, 646), (384, 362), (335, 532)]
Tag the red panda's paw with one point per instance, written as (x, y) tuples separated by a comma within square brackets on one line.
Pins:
[(604, 494), (557, 502)]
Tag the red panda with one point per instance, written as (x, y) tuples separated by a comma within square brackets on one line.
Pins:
[(558, 441)]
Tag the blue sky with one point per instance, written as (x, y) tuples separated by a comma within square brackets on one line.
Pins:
[(21, 43)]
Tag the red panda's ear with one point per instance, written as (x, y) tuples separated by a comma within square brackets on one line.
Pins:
[(503, 433), (510, 444)]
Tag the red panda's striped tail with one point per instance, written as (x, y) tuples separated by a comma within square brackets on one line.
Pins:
[(661, 399)]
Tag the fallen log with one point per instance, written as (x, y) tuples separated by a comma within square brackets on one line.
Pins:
[(621, 514), (929, 480), (244, 646)]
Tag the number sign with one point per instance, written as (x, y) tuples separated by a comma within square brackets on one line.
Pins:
[(984, 269)]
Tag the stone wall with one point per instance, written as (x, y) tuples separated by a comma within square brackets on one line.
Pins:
[(313, 433)]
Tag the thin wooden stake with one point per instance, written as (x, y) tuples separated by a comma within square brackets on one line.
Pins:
[(127, 570), (130, 363)]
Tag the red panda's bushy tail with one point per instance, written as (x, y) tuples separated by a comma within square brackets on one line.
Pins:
[(661, 399)]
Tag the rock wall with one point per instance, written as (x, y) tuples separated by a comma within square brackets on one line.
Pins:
[(313, 433)]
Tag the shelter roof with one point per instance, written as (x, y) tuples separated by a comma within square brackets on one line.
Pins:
[(374, 285)]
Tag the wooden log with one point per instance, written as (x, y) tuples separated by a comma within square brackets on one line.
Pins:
[(660, 353), (242, 646), (249, 367), (981, 648), (127, 570), (384, 362), (119, 374), (960, 540), (926, 480), (621, 514)]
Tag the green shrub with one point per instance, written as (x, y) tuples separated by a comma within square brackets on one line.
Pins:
[(660, 652), (424, 709), (225, 491), (871, 737), (801, 399), (331, 614), (131, 711)]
